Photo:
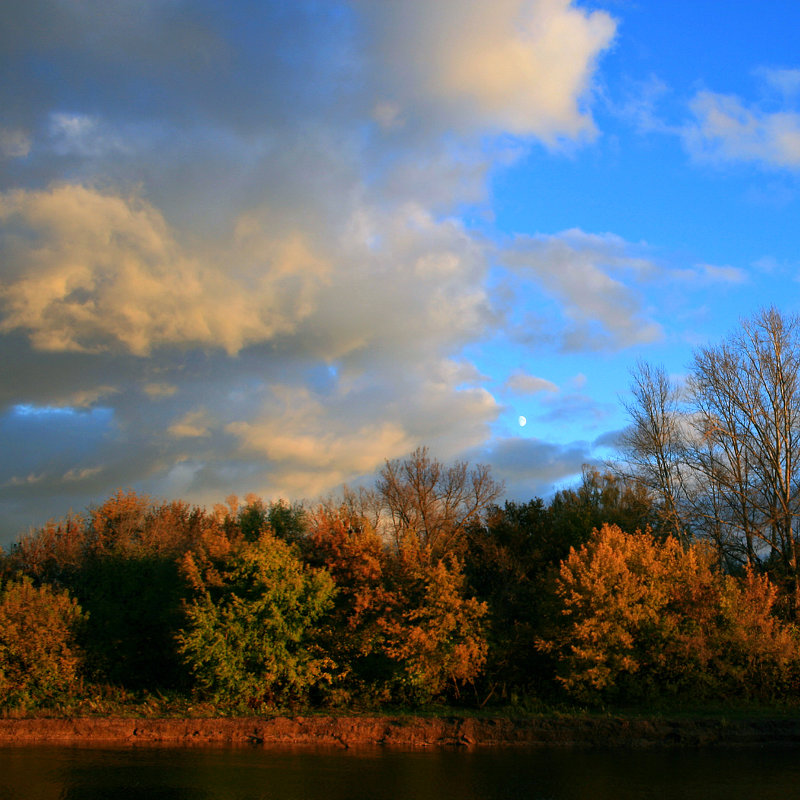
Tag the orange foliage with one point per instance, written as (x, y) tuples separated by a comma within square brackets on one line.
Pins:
[(437, 633), (405, 620), (635, 605), (38, 658)]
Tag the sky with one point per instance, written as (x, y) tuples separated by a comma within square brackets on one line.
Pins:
[(265, 245)]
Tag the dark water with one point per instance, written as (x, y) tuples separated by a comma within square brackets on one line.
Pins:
[(50, 773)]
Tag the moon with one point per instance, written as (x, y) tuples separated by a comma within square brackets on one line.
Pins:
[(523, 421)]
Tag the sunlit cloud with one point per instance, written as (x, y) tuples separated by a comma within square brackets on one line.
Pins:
[(513, 66), (192, 424), (88, 271)]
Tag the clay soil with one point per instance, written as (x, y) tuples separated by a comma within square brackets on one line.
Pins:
[(401, 732)]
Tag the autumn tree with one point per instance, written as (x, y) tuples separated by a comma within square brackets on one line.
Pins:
[(40, 659), (643, 618), (121, 562), (436, 635), (431, 502), (403, 626), (352, 631)]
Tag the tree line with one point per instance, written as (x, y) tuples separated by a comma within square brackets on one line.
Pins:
[(670, 576)]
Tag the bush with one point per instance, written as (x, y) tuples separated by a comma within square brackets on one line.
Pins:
[(39, 661)]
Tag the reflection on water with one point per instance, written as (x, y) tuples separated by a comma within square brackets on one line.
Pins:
[(78, 773)]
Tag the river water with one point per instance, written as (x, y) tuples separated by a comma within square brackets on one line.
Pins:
[(82, 773)]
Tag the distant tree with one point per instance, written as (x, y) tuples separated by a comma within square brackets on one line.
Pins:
[(433, 503), (601, 498)]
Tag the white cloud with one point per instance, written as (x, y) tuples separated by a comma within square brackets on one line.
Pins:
[(588, 275), (82, 135), (726, 130), (785, 81), (710, 274)]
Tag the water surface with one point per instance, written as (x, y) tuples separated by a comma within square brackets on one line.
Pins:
[(82, 773)]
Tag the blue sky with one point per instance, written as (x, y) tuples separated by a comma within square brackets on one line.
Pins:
[(263, 246)]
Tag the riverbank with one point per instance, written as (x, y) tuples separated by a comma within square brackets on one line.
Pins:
[(403, 732)]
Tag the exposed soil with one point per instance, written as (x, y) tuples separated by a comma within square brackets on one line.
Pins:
[(401, 732)]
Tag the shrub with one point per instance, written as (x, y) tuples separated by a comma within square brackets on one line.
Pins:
[(39, 661)]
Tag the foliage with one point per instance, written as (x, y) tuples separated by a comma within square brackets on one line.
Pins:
[(634, 606), (601, 498), (402, 625), (250, 624), (352, 633), (253, 518), (39, 660), (508, 563), (436, 633), (121, 563)]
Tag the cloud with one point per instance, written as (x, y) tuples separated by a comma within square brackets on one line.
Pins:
[(586, 273), (247, 237), (514, 66), (82, 135), (522, 382), (724, 129), (88, 271), (14, 143), (785, 81), (191, 424), (710, 274), (530, 467)]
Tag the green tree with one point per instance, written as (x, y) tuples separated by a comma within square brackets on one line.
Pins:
[(509, 564), (250, 630)]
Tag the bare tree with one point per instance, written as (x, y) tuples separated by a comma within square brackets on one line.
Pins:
[(653, 445), (434, 502), (747, 392), (725, 460)]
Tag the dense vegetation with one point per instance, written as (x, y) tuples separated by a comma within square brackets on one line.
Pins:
[(664, 581)]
